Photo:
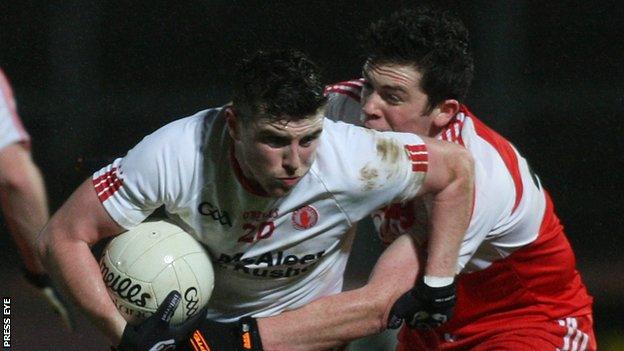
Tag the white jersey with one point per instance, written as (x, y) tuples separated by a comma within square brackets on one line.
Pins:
[(11, 129), (270, 254), (509, 202)]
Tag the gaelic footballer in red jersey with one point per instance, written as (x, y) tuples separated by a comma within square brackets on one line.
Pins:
[(517, 286)]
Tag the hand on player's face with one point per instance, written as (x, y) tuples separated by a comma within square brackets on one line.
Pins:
[(278, 153), (392, 99)]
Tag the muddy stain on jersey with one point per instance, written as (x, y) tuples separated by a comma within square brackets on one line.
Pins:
[(388, 150), (369, 177)]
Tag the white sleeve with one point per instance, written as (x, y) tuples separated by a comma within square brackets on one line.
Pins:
[(11, 128), (155, 172), (375, 168)]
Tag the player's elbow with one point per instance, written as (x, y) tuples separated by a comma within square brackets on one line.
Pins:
[(49, 242), (379, 304), (44, 244)]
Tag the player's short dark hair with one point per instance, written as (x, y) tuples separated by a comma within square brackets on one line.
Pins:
[(431, 40), (277, 84)]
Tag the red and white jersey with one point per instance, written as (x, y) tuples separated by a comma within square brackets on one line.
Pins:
[(270, 254), (515, 259), (11, 128)]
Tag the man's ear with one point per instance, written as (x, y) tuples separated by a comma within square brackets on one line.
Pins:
[(232, 122), (445, 111)]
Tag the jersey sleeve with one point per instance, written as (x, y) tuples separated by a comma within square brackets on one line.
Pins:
[(343, 101), (11, 128), (371, 169), (155, 172)]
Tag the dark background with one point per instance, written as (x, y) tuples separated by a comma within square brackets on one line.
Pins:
[(92, 78)]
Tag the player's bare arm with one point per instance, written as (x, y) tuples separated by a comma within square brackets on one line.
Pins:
[(450, 181), (64, 246), (335, 320), (23, 201)]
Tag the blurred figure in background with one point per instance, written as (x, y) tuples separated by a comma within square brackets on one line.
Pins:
[(23, 195), (517, 286)]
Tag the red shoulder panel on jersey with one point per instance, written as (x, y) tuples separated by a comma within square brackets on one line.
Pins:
[(107, 184), (351, 88), (505, 150)]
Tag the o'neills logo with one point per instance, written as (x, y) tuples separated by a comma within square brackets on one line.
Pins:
[(305, 217), (125, 288)]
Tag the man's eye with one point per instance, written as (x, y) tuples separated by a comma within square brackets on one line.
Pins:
[(307, 141), (392, 99), (274, 142)]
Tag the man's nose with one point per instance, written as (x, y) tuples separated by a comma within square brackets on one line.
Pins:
[(291, 161), (370, 106)]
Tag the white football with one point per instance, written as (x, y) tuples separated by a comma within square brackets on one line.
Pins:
[(141, 266)]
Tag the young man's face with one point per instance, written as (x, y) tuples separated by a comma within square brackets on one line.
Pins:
[(392, 100), (278, 153)]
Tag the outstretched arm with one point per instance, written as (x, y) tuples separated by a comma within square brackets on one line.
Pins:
[(450, 183), (334, 320)]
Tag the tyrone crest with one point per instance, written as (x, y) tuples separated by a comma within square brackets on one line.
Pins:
[(305, 217)]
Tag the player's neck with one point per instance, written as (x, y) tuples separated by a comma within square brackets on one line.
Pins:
[(246, 181)]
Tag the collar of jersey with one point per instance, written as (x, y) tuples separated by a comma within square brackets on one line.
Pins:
[(452, 131), (247, 184)]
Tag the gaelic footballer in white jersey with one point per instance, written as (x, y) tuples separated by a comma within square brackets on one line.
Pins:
[(270, 254)]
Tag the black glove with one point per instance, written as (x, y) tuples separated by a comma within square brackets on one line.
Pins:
[(155, 333), (423, 307), (242, 335)]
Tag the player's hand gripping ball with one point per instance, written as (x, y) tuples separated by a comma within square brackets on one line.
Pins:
[(143, 265)]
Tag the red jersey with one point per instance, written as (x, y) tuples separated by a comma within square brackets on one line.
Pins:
[(515, 266)]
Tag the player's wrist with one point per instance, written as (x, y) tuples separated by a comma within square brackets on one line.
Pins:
[(242, 335), (437, 282)]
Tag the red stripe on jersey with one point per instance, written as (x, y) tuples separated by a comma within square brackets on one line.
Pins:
[(419, 167), (419, 157), (452, 131), (351, 88), (6, 90), (504, 149), (357, 84), (112, 189), (349, 93), (416, 148), (107, 184)]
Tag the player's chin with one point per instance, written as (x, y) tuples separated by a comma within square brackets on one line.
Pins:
[(279, 190)]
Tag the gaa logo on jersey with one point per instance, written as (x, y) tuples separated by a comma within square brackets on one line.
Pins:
[(305, 217)]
